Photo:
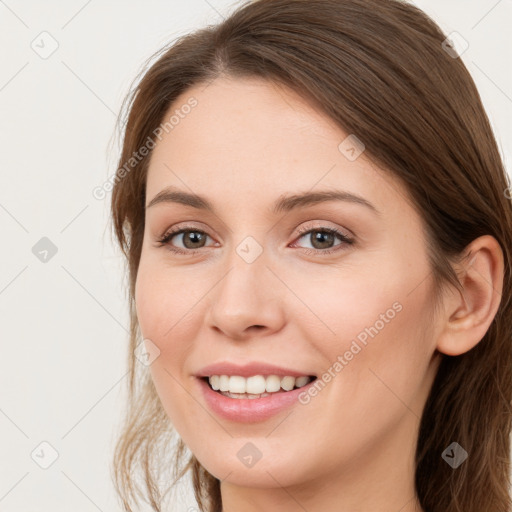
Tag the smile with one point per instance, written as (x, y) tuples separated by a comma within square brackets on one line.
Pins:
[(251, 407), (255, 386)]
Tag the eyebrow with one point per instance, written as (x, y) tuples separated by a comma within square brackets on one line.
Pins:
[(283, 204)]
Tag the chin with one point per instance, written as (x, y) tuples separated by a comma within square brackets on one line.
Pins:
[(270, 473)]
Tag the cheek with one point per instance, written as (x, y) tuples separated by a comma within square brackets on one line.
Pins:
[(382, 376), (156, 314), (344, 306), (375, 321), (164, 301), (167, 309), (148, 294)]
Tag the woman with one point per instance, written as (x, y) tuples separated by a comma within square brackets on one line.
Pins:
[(314, 214)]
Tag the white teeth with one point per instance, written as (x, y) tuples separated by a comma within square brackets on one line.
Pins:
[(256, 385), (273, 384), (215, 382), (301, 381), (236, 384), (288, 383), (223, 383)]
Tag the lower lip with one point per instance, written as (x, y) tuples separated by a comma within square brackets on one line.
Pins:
[(249, 410)]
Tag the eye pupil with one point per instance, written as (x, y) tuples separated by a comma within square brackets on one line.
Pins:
[(324, 238), (195, 236)]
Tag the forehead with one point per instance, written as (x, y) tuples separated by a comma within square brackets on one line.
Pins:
[(251, 140)]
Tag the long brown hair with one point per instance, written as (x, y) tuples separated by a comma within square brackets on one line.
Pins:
[(379, 69)]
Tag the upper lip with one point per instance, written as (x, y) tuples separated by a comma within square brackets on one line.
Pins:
[(248, 370)]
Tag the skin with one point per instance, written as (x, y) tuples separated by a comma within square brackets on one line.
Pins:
[(351, 448)]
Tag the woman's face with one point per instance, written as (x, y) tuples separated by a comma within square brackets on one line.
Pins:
[(253, 283)]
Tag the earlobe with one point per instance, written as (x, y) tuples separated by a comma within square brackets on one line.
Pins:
[(469, 315)]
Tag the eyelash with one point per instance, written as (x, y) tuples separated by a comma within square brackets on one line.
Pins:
[(169, 235)]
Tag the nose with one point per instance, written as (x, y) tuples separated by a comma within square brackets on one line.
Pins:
[(247, 301)]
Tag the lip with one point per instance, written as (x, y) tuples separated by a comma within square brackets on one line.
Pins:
[(249, 369), (249, 410)]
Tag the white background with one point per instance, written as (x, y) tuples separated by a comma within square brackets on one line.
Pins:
[(64, 323)]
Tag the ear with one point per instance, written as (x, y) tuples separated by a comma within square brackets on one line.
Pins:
[(467, 316)]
